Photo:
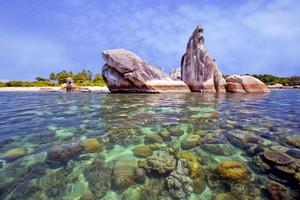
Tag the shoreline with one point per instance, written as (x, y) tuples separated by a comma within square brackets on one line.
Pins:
[(56, 89)]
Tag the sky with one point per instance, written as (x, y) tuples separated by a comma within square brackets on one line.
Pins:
[(39, 37)]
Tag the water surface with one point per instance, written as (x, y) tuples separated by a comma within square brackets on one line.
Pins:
[(232, 127)]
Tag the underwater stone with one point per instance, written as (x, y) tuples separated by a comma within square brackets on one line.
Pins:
[(233, 171), (152, 138), (139, 175), (123, 174), (190, 142), (142, 151), (162, 163), (90, 145), (223, 196), (294, 140), (165, 135), (218, 149), (98, 176), (294, 153), (88, 195), (277, 157), (260, 164), (176, 130), (277, 191), (179, 184), (14, 154), (63, 152)]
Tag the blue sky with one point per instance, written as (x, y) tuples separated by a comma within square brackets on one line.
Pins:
[(38, 37)]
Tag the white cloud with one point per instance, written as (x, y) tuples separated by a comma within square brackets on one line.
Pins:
[(250, 38)]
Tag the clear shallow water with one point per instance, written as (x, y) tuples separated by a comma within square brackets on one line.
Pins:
[(231, 127)]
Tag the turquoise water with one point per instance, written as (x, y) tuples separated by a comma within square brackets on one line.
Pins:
[(149, 146)]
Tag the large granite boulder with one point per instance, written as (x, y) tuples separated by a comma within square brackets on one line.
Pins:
[(198, 69), (243, 84), (126, 72)]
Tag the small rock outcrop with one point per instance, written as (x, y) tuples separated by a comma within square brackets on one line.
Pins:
[(175, 74), (126, 72), (198, 69), (244, 84)]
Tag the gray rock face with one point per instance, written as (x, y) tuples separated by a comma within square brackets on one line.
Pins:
[(243, 84), (198, 69), (126, 72)]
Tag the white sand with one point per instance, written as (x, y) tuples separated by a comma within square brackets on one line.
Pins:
[(36, 89)]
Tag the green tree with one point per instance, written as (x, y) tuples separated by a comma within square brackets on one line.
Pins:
[(61, 76), (40, 79), (52, 77)]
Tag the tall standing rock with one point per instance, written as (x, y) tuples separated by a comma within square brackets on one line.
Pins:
[(126, 72), (198, 69)]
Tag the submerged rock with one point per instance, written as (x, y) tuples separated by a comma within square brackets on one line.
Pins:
[(14, 154), (278, 191), (142, 151), (99, 178), (126, 72), (198, 69), (190, 142), (165, 135), (139, 175), (123, 174), (179, 184), (233, 171), (152, 138), (63, 152), (223, 196), (277, 157), (219, 149), (242, 84), (294, 140)]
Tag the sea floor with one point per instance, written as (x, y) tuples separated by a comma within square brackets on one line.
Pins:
[(150, 146)]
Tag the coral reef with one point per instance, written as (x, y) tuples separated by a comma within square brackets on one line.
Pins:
[(233, 171), (152, 138), (190, 142), (179, 184), (98, 176), (163, 163), (142, 151), (13, 154), (123, 174), (277, 157), (90, 145)]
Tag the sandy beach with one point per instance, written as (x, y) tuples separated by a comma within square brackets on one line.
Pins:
[(37, 89)]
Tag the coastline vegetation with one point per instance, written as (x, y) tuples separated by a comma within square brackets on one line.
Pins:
[(83, 78), (86, 78)]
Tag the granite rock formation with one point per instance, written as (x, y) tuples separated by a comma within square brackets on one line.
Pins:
[(243, 84), (198, 69), (126, 72)]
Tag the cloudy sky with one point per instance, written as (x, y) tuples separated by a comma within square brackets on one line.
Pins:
[(39, 37)]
